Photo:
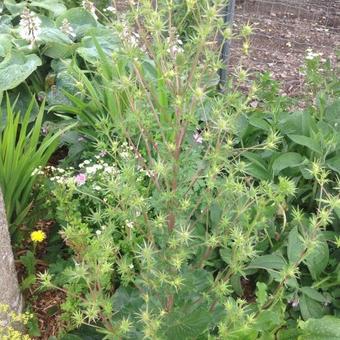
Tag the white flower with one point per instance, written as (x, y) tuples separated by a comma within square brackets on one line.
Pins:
[(67, 29), (131, 266), (97, 187), (175, 47), (312, 55), (29, 26), (98, 232), (129, 224), (89, 6), (198, 137), (110, 9)]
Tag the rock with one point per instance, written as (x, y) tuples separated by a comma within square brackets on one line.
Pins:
[(9, 288)]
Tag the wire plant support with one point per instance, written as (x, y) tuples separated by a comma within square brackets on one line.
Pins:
[(228, 17)]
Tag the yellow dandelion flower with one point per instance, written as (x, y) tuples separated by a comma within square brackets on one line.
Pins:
[(38, 236)]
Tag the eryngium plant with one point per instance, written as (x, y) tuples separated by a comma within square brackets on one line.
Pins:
[(164, 228)]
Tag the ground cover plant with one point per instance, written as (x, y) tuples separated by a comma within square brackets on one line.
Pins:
[(190, 211)]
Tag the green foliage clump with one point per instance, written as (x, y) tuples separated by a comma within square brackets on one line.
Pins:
[(189, 193)]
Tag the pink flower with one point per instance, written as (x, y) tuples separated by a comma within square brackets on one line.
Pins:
[(80, 179)]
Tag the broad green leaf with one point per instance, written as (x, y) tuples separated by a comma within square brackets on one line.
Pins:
[(295, 246), (310, 308), (55, 6), (106, 40), (326, 328), (287, 160), (268, 262), (53, 35), (15, 70), (5, 45), (185, 323), (298, 123), (317, 259), (14, 7), (306, 141), (313, 294), (257, 167), (80, 20), (334, 163), (259, 123)]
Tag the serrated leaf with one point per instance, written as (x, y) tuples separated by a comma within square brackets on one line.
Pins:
[(186, 324), (295, 246), (310, 308), (261, 293), (317, 259), (326, 328)]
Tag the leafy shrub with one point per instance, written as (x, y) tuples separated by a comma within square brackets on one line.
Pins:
[(166, 230)]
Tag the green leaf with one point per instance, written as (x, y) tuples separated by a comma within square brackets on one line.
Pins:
[(80, 20), (326, 328), (186, 324), (310, 308), (295, 246), (317, 259), (5, 45), (29, 262), (16, 69), (28, 282), (55, 6), (334, 163), (268, 262), (259, 123), (287, 160), (306, 141), (257, 166), (105, 40), (261, 293), (313, 294), (13, 7)]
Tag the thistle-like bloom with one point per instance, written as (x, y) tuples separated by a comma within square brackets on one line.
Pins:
[(90, 7), (67, 29), (38, 236), (29, 26)]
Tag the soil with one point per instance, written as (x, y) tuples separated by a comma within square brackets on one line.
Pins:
[(283, 31)]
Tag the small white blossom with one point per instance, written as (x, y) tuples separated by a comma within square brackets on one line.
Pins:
[(90, 7), (67, 29), (110, 9), (175, 47), (98, 232), (198, 138), (129, 224), (29, 26)]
